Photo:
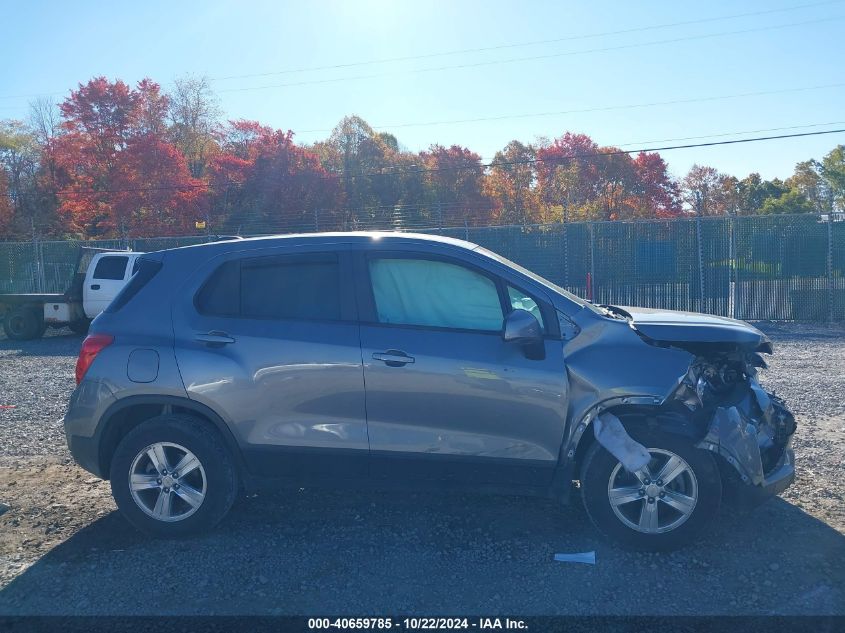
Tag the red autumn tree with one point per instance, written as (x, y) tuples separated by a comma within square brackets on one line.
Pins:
[(567, 173), (616, 181), (510, 183), (153, 192), (115, 171), (263, 181), (455, 179), (657, 194), (603, 183)]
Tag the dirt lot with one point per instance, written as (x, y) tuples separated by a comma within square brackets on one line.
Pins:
[(65, 550)]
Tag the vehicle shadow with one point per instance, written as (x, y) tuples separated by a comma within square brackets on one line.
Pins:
[(316, 552), (59, 343)]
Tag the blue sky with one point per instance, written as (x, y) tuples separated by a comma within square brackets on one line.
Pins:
[(49, 47)]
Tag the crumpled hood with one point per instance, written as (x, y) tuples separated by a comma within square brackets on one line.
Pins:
[(687, 329)]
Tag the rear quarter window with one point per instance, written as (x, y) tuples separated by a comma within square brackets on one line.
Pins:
[(220, 295), (144, 271)]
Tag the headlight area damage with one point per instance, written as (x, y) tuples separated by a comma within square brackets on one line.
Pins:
[(749, 427), (717, 402), (734, 417)]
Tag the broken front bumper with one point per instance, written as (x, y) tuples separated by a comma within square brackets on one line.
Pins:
[(750, 495), (754, 436)]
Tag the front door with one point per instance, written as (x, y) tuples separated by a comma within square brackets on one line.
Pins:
[(447, 398)]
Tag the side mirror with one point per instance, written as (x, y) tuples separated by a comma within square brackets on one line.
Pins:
[(522, 327)]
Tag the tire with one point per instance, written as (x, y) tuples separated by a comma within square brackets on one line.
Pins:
[(215, 479), (79, 327), (630, 522), (23, 324)]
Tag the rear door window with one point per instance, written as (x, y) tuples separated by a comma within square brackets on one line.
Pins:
[(289, 288), (301, 287), (434, 293), (142, 272), (111, 267)]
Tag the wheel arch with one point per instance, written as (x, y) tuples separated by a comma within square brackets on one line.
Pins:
[(127, 413), (653, 416)]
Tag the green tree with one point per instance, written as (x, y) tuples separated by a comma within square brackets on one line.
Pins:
[(365, 163), (808, 179), (28, 185), (752, 192), (833, 172), (792, 201)]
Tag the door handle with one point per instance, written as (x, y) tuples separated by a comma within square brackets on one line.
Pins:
[(95, 286), (214, 338), (393, 358)]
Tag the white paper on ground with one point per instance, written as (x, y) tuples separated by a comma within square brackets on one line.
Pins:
[(588, 558)]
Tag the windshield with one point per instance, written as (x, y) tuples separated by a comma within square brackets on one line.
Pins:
[(541, 280)]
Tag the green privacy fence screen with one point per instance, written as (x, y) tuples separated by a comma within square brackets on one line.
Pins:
[(784, 267)]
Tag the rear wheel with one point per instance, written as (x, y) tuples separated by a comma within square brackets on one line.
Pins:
[(173, 475), (661, 506), (23, 324)]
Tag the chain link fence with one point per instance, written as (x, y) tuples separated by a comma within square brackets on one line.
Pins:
[(781, 268)]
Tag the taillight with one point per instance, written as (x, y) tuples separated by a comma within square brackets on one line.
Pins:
[(91, 346)]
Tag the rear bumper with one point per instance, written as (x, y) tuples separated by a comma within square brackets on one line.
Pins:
[(87, 405), (86, 452)]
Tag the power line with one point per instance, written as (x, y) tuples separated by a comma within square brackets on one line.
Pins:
[(735, 133), (722, 134), (631, 106), (494, 48), (560, 159), (531, 58), (484, 49), (504, 47)]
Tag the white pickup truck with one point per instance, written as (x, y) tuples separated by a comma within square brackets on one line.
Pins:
[(99, 276)]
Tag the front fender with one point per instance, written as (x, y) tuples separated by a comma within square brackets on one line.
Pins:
[(610, 366)]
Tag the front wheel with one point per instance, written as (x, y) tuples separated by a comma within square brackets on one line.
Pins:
[(660, 507), (173, 475)]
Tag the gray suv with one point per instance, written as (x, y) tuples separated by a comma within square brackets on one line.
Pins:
[(406, 360)]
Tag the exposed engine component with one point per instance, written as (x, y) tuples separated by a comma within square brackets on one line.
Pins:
[(746, 425)]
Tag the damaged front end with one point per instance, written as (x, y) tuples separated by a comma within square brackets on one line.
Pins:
[(748, 427)]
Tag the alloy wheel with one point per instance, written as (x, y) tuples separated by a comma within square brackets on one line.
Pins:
[(167, 482), (656, 499)]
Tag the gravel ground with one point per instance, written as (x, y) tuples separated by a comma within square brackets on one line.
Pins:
[(64, 549)]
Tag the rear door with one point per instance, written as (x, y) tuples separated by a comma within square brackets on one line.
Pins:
[(270, 342), (447, 398), (107, 275)]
